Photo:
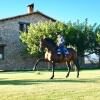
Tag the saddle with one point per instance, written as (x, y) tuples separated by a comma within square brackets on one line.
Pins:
[(63, 52)]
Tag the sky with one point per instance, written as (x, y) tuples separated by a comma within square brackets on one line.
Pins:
[(61, 10)]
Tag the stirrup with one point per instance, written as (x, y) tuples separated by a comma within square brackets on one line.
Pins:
[(66, 53)]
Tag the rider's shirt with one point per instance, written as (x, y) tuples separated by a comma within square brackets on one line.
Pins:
[(60, 40)]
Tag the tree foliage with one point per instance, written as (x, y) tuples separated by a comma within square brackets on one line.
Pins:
[(98, 38), (82, 36)]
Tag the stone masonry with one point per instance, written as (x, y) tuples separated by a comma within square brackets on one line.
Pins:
[(9, 32)]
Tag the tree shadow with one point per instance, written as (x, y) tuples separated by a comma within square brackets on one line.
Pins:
[(16, 72), (35, 81), (17, 82)]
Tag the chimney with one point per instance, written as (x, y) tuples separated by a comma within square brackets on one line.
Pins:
[(30, 8)]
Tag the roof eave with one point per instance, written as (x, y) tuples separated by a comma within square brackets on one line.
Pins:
[(37, 12)]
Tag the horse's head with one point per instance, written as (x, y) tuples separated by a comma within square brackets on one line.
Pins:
[(46, 43), (42, 44)]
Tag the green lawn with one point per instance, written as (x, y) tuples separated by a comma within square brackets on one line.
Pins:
[(33, 86)]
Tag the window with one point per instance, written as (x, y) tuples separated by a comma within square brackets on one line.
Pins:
[(23, 27), (2, 51)]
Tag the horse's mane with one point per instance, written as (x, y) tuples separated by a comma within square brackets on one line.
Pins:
[(50, 41)]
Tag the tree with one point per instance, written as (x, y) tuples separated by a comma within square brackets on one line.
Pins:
[(82, 36), (97, 46), (98, 38)]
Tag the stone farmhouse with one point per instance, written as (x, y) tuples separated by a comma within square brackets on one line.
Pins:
[(10, 44)]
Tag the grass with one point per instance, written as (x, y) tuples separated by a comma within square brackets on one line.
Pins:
[(37, 86)]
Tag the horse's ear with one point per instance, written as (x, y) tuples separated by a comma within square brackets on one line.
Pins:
[(43, 37)]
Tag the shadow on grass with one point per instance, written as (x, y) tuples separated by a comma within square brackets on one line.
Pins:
[(34, 81), (16, 72)]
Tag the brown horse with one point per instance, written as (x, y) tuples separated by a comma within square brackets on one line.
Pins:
[(52, 56)]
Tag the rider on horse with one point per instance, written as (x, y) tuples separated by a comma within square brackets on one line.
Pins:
[(60, 44)]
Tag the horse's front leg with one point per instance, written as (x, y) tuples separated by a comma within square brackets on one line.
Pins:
[(53, 69), (38, 61), (69, 68)]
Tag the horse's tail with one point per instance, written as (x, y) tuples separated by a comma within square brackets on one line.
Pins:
[(74, 57), (73, 53)]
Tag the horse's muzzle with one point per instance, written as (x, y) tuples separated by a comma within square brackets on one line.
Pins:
[(40, 49)]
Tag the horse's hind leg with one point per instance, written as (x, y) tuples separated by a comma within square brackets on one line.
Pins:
[(76, 62), (69, 68)]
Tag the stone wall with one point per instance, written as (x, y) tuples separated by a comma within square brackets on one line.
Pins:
[(9, 31)]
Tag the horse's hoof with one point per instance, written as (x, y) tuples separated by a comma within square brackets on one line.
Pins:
[(34, 69), (77, 76), (67, 76), (51, 78)]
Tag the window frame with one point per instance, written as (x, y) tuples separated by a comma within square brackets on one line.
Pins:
[(2, 51), (23, 26)]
